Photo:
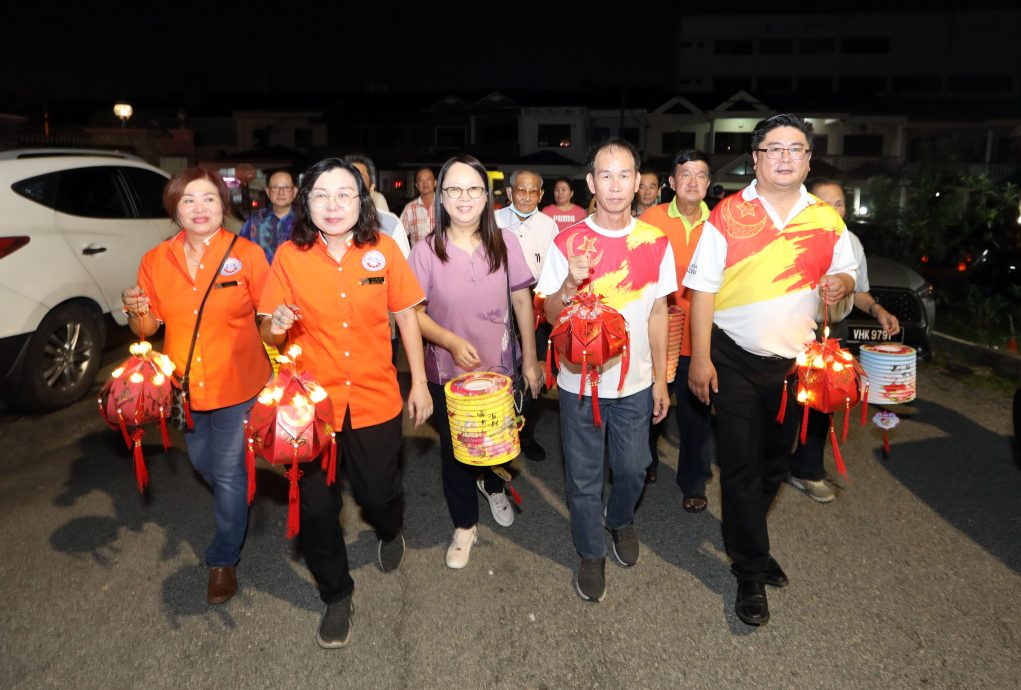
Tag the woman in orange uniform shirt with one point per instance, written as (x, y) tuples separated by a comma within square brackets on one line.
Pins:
[(228, 366), (330, 290)]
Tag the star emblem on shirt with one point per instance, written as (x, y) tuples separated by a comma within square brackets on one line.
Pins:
[(587, 246), (746, 209)]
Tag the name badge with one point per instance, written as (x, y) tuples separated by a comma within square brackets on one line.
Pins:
[(227, 284), (376, 280)]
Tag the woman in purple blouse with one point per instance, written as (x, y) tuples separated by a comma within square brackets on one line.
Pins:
[(465, 267)]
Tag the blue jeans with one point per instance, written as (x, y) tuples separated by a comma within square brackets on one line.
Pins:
[(624, 441), (216, 448)]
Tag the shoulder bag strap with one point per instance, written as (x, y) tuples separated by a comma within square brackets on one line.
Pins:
[(198, 319)]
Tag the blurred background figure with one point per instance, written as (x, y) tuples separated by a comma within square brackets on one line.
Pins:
[(418, 217), (271, 226), (563, 210), (648, 193)]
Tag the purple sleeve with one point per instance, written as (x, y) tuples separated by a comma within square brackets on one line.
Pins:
[(519, 272)]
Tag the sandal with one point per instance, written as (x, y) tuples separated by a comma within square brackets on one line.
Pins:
[(695, 503)]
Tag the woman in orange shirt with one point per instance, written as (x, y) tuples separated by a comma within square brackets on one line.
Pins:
[(330, 291), (228, 365)]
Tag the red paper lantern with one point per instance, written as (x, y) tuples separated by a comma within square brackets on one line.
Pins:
[(138, 393), (291, 423), (589, 333), (829, 380)]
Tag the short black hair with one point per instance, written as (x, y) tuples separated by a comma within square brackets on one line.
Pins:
[(688, 155), (766, 126), (615, 143), (814, 183), (287, 171)]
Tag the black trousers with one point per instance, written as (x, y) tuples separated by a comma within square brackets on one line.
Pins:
[(370, 460), (753, 450), (807, 460), (532, 407), (693, 423), (458, 478)]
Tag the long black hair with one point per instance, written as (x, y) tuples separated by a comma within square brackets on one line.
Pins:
[(365, 231), (489, 233)]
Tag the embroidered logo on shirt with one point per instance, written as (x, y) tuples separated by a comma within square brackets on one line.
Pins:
[(373, 260), (231, 266)]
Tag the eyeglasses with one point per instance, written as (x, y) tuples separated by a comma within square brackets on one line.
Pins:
[(458, 192), (280, 188), (699, 177), (527, 192), (321, 200), (775, 152)]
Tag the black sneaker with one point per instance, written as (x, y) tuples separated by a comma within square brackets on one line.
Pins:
[(625, 545), (590, 581), (335, 627), (390, 554)]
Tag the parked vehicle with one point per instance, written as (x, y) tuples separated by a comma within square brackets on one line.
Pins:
[(73, 227), (906, 295)]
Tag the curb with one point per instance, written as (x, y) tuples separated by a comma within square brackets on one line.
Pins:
[(1003, 363)]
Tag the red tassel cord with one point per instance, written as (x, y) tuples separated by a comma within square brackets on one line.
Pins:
[(124, 429), (550, 382), (293, 509), (514, 493), (250, 466), (804, 426), (625, 362), (584, 371), (187, 411), (847, 416), (837, 457), (864, 403), (594, 378), (331, 468), (782, 413), (141, 474), (886, 444), (163, 430)]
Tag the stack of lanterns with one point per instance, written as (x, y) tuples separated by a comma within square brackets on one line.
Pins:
[(483, 421), (291, 423), (829, 380), (891, 369), (677, 321), (588, 333), (139, 392)]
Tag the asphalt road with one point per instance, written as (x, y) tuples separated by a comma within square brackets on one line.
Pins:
[(911, 578)]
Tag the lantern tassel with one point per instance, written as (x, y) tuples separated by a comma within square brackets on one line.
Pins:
[(293, 509), (886, 445), (804, 426), (331, 469), (837, 457), (514, 493), (550, 382), (141, 473), (864, 403), (584, 370), (163, 430), (594, 378), (782, 413), (124, 429), (624, 363), (847, 416), (250, 466)]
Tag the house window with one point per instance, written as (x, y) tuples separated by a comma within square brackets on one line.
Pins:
[(815, 85), (732, 142), (863, 144), (673, 142), (775, 84), (554, 135), (819, 144), (451, 137)]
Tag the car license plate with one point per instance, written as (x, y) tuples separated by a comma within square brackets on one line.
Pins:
[(867, 335)]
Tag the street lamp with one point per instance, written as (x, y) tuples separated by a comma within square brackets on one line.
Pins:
[(124, 111)]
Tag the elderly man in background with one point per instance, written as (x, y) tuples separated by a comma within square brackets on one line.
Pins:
[(418, 216)]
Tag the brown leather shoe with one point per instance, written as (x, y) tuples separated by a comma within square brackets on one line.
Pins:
[(223, 583)]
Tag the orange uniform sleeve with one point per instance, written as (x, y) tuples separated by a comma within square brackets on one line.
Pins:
[(147, 282), (277, 288), (258, 270)]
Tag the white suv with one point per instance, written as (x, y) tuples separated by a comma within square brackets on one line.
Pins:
[(73, 228)]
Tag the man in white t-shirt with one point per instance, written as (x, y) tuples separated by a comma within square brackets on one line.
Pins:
[(629, 262)]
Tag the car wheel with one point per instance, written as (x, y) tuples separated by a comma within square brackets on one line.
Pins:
[(63, 357)]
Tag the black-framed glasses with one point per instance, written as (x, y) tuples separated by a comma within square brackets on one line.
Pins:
[(775, 152), (280, 188), (458, 192)]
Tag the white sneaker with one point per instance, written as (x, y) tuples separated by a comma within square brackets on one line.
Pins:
[(817, 490), (461, 546), (503, 512)]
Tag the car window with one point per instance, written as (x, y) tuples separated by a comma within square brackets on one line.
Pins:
[(41, 189), (91, 192), (148, 190)]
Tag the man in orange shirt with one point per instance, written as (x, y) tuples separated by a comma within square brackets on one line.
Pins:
[(681, 221)]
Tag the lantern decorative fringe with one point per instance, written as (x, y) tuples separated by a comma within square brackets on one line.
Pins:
[(886, 420), (291, 423), (829, 379), (677, 326), (139, 392), (589, 333)]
